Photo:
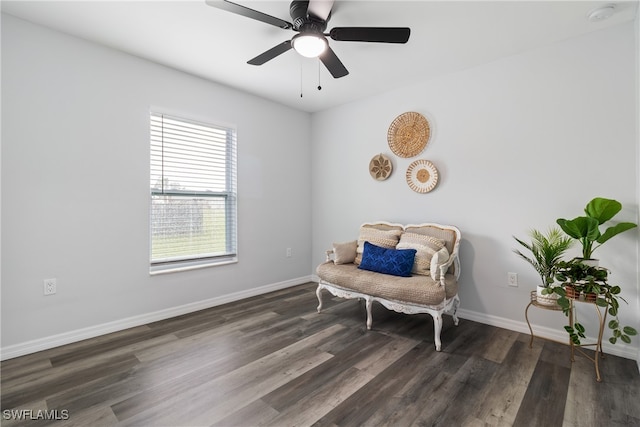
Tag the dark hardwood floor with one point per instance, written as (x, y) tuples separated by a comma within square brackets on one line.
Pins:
[(272, 360)]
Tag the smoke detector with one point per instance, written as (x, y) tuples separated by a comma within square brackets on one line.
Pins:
[(601, 13)]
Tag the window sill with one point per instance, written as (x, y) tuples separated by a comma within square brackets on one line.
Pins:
[(188, 266)]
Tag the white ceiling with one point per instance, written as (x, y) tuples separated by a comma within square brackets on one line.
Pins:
[(446, 36)]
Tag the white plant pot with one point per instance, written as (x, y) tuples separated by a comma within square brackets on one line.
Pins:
[(551, 299)]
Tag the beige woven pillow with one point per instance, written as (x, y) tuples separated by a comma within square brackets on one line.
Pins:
[(425, 246), (439, 257), (384, 238), (344, 253)]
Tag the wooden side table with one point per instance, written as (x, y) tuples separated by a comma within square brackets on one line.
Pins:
[(602, 318)]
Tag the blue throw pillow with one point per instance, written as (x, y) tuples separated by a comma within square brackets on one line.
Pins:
[(397, 262)]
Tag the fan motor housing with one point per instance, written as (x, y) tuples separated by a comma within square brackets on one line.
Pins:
[(302, 21)]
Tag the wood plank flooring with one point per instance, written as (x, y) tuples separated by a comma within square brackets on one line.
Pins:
[(272, 360)]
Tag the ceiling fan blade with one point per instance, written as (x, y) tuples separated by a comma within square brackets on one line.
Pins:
[(271, 53), (371, 34), (320, 8), (249, 13), (333, 64)]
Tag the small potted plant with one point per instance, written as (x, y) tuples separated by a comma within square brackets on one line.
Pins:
[(546, 252), (586, 230), (580, 280)]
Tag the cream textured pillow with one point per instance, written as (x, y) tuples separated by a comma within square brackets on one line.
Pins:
[(383, 238), (438, 258), (344, 253), (426, 247)]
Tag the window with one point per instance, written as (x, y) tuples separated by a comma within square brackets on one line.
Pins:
[(193, 193)]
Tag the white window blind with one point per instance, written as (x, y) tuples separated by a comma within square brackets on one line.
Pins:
[(193, 193)]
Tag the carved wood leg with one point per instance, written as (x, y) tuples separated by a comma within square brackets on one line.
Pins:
[(437, 328), (456, 303), (369, 303), (319, 295)]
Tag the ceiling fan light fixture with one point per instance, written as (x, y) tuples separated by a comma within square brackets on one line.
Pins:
[(309, 45)]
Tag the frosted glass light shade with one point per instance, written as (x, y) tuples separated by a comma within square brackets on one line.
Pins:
[(309, 45)]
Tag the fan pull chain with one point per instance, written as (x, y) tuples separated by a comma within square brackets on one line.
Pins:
[(302, 80)]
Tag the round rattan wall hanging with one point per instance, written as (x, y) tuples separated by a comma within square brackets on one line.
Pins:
[(408, 134), (422, 176), (380, 167)]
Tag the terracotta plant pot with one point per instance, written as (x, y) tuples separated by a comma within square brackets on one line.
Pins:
[(590, 297), (571, 292)]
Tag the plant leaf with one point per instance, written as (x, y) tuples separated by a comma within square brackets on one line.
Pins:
[(563, 302), (613, 324), (581, 226), (630, 331), (602, 209), (625, 339), (615, 230)]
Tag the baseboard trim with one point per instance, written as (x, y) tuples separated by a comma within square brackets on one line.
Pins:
[(620, 349), (49, 342)]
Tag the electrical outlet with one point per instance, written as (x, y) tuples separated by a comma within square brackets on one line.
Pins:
[(512, 279), (50, 286), (288, 252)]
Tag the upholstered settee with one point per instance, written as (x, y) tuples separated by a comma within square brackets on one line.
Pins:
[(409, 269)]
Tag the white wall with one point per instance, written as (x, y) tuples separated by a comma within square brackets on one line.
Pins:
[(518, 142), (75, 167)]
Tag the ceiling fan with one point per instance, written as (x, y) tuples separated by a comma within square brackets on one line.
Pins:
[(310, 20)]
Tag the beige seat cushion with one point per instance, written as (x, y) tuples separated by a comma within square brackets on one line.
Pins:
[(414, 290)]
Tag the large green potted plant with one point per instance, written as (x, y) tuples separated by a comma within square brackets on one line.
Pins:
[(580, 280), (586, 229), (546, 252)]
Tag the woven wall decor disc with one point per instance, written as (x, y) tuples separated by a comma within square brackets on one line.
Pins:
[(422, 176), (408, 134), (380, 167)]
